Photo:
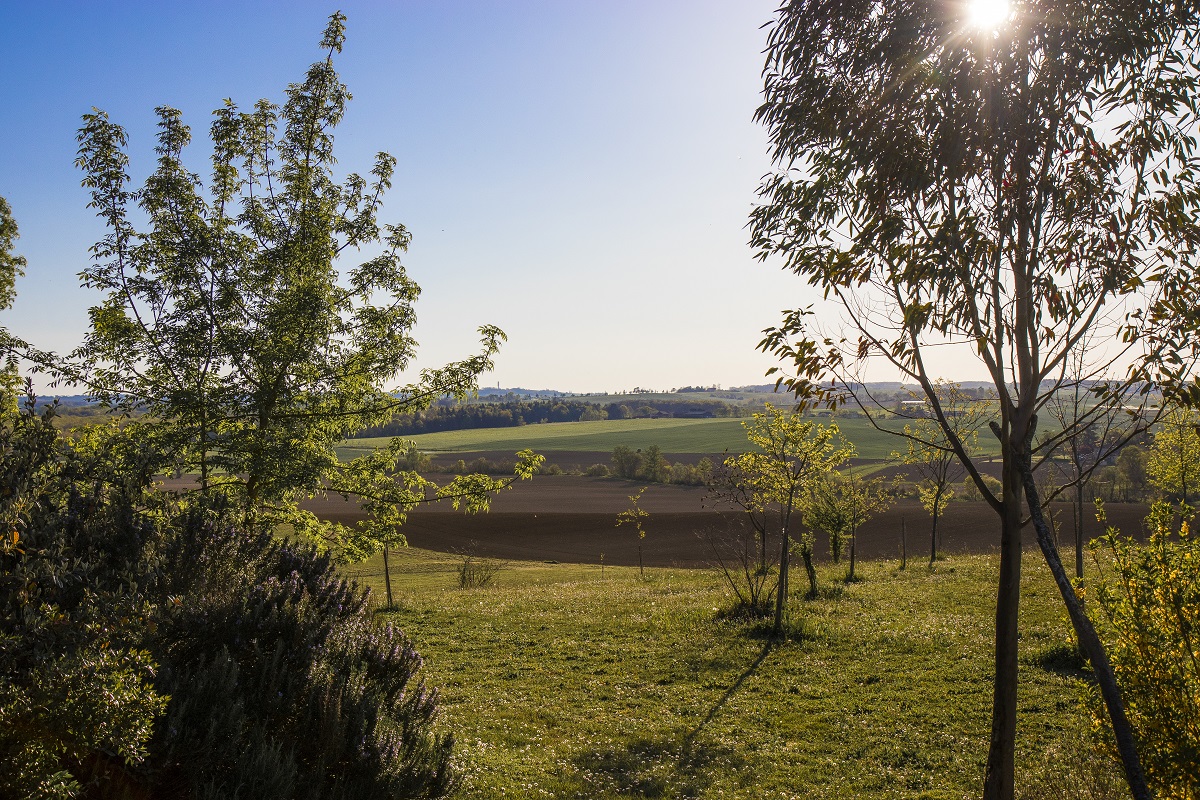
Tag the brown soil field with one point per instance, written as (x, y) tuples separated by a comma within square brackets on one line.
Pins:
[(573, 519), (568, 460)]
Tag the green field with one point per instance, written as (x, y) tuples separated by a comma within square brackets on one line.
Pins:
[(671, 435), (565, 681), (722, 395)]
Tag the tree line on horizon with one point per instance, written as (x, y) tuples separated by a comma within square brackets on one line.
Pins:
[(454, 416)]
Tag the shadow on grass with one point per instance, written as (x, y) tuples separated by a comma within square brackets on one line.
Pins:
[(667, 766), (690, 739), (1062, 659), (658, 767)]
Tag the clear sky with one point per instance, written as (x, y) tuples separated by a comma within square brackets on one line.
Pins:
[(578, 173)]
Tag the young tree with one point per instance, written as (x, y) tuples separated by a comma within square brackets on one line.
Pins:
[(1091, 438), (1131, 469), (825, 511), (227, 318), (839, 504), (932, 454), (790, 455), (1000, 193), (635, 515), (1173, 463)]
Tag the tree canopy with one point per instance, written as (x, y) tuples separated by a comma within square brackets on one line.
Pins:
[(230, 314), (789, 456), (1004, 194), (1173, 463)]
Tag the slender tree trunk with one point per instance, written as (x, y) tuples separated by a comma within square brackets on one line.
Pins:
[(387, 577), (762, 549), (203, 447), (781, 596), (1079, 538), (937, 501), (853, 541), (998, 780), (641, 568), (807, 554), (903, 544), (1090, 642)]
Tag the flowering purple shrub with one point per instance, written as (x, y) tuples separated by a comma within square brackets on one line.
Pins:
[(151, 652), (280, 683)]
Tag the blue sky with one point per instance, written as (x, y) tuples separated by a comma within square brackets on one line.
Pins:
[(578, 173)]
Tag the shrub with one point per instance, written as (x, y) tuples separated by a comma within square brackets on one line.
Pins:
[(280, 683), (697, 474), (481, 465), (76, 702), (476, 572), (598, 471), (748, 570), (1150, 615), (111, 599), (414, 460), (969, 491), (627, 463)]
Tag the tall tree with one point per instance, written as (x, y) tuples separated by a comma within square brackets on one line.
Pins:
[(993, 193), (229, 319), (1131, 470), (12, 266)]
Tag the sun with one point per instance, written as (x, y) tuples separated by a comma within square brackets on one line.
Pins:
[(988, 15)]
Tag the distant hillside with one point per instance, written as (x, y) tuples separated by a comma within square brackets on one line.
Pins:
[(517, 393), (65, 400)]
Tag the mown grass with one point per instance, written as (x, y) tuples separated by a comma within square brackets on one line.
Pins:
[(565, 681), (671, 435)]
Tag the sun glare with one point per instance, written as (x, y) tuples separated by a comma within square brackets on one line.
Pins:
[(988, 15)]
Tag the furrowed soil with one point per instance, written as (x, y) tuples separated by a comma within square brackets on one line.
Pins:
[(573, 519)]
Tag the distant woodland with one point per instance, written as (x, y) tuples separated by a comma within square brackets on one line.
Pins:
[(511, 414)]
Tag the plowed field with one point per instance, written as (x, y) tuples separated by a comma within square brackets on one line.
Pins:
[(570, 518)]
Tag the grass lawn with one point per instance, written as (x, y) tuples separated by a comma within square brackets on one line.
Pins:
[(672, 435), (568, 682)]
